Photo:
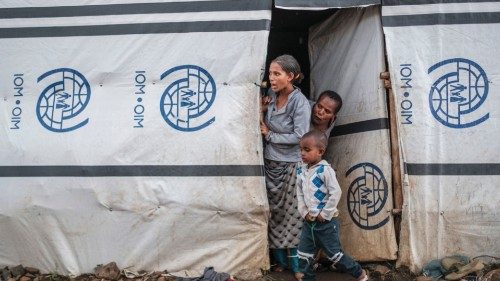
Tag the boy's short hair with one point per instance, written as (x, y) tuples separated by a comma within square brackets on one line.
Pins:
[(319, 137)]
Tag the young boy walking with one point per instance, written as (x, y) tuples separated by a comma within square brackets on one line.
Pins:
[(318, 194)]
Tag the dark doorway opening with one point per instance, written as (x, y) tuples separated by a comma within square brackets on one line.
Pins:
[(289, 35)]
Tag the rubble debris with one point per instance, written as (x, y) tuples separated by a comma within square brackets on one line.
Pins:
[(209, 274), (17, 271), (459, 267), (389, 272), (32, 270), (464, 270), (382, 270), (5, 274), (109, 271), (423, 278), (493, 275), (248, 275)]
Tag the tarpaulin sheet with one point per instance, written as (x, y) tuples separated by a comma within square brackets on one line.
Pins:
[(444, 62), (129, 133), (347, 55)]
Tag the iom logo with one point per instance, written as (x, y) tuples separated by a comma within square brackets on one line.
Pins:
[(66, 95), (460, 89), (367, 196), (190, 94)]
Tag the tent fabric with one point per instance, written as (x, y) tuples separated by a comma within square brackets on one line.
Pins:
[(322, 4), (126, 135), (444, 64), (347, 55)]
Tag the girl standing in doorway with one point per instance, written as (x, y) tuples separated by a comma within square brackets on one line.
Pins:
[(287, 118)]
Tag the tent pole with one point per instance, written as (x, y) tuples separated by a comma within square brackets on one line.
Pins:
[(395, 156)]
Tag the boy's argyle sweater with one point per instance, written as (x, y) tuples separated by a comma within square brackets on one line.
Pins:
[(318, 190)]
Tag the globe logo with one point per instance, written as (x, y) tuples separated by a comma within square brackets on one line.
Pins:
[(367, 195), (190, 93), (460, 89), (66, 95)]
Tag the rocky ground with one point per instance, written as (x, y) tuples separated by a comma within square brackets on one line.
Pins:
[(110, 272), (377, 272)]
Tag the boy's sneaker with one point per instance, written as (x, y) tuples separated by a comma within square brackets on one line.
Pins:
[(299, 276), (363, 276)]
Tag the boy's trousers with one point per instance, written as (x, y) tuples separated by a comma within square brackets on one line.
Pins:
[(325, 235)]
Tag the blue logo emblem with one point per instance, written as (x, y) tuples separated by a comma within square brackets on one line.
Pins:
[(367, 196), (460, 89), (190, 93), (66, 96)]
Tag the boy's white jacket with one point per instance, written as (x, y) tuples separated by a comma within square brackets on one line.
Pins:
[(318, 190)]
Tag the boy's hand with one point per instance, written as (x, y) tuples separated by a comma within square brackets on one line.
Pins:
[(310, 218), (320, 218)]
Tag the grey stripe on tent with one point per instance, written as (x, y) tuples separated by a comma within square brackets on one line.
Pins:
[(325, 3), (433, 19), (359, 127), (134, 171), (426, 2), (471, 169), (136, 28), (135, 8)]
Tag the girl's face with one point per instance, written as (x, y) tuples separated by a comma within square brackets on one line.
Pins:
[(279, 78), (324, 111)]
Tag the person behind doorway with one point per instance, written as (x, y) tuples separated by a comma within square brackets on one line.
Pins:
[(324, 111), (323, 116), (287, 118), (318, 194)]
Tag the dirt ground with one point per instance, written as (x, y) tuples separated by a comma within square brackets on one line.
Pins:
[(111, 272), (394, 274), (321, 276)]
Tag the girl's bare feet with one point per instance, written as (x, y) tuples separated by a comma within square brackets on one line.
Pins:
[(278, 269), (299, 276)]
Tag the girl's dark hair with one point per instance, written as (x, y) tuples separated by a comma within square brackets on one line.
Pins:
[(290, 65), (334, 96)]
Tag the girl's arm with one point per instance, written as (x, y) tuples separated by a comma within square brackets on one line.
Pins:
[(301, 120)]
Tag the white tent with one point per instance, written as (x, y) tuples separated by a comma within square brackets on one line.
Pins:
[(126, 134), (444, 68), (130, 130)]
